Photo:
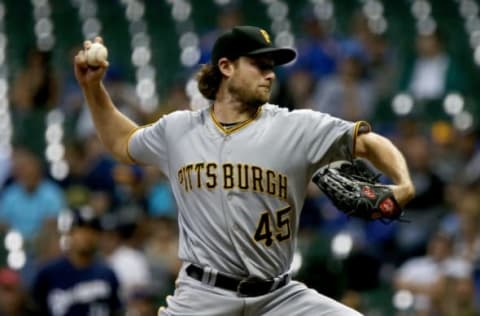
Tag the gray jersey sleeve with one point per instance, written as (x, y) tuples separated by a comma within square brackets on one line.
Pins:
[(148, 145), (329, 138)]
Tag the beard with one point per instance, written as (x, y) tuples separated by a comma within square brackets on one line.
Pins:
[(87, 251), (253, 98), (84, 250)]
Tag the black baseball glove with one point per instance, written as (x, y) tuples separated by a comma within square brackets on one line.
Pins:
[(354, 189)]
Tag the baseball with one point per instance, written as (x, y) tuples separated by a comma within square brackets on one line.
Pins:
[(96, 54)]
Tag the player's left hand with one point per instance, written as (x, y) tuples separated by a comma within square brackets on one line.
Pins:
[(354, 189)]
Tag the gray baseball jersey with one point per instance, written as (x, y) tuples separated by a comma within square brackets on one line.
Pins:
[(239, 191)]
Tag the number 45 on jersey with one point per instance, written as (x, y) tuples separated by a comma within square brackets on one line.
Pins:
[(273, 226)]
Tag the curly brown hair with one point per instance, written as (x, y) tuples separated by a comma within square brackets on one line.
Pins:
[(209, 78)]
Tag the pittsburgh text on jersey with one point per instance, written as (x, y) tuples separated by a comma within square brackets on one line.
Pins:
[(229, 176)]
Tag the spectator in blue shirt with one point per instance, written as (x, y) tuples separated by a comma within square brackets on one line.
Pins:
[(31, 199), (78, 283)]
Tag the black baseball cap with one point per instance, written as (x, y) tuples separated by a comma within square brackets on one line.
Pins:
[(85, 217), (248, 40)]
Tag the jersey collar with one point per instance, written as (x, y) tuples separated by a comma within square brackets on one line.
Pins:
[(228, 131)]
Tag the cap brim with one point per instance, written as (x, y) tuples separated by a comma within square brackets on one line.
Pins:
[(280, 56)]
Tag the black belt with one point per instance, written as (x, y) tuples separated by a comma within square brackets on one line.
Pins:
[(247, 287)]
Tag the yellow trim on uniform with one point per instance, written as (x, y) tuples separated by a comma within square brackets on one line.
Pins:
[(356, 131), (236, 128), (130, 134)]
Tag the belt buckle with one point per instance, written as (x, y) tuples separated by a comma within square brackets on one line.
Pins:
[(240, 286), (244, 291)]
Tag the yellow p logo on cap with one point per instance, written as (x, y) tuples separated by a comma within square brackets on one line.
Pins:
[(265, 36)]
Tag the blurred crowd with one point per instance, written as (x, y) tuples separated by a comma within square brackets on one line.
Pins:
[(427, 265)]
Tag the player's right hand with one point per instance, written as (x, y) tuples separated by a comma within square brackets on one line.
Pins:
[(87, 75)]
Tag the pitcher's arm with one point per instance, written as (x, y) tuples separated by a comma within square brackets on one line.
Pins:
[(113, 128), (385, 156)]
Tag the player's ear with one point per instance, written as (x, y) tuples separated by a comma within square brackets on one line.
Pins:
[(226, 66)]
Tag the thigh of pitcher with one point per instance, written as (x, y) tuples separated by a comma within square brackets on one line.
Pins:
[(296, 299), (192, 298)]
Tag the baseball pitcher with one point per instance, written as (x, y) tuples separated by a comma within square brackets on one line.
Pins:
[(239, 170)]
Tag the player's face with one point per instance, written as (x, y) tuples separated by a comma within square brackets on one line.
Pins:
[(84, 241), (251, 82)]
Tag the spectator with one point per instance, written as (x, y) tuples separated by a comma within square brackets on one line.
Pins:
[(317, 50), (427, 207), (382, 66), (459, 298), (429, 186), (296, 91), (142, 302), (349, 94), (129, 185), (432, 72), (119, 229), (31, 199), (462, 200), (424, 276), (36, 85), (467, 238), (100, 165), (360, 34), (35, 90), (77, 283), (74, 185), (161, 247), (160, 199), (468, 151), (13, 297)]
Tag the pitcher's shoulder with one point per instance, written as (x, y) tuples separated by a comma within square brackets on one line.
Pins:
[(275, 110), (184, 116)]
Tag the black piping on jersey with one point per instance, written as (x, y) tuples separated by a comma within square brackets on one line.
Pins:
[(231, 125), (358, 130), (230, 130)]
